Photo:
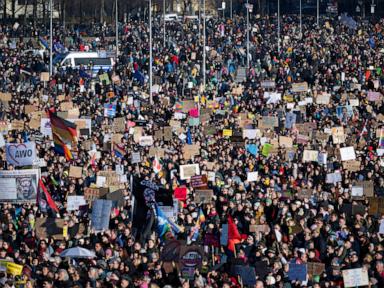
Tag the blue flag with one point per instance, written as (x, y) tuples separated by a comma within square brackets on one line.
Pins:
[(189, 137)]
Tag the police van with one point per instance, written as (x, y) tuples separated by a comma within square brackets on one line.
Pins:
[(91, 61)]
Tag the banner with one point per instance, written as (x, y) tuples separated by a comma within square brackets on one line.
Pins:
[(19, 185), (299, 87), (21, 154), (187, 171)]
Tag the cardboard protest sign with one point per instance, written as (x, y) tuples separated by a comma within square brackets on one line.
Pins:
[(190, 259), (300, 87), (187, 171), (75, 171), (117, 198), (310, 155), (297, 272), (357, 191), (119, 124), (190, 151), (251, 133), (286, 142), (203, 196), (367, 187), (6, 97), (17, 125), (266, 150), (53, 227), (333, 178), (315, 269), (101, 212), (347, 153), (376, 206), (352, 165), (44, 76), (21, 154), (355, 277), (91, 194)]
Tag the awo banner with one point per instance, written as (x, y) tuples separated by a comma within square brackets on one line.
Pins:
[(21, 154)]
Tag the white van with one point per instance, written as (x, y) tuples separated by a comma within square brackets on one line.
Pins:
[(99, 60), (171, 17)]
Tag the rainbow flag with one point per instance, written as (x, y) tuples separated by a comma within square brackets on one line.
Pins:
[(64, 133), (119, 150), (381, 139), (201, 219)]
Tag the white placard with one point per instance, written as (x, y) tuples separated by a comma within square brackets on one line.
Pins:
[(347, 153), (355, 277), (74, 202), (187, 171), (100, 181), (19, 185), (357, 191), (146, 141), (2, 142), (252, 176)]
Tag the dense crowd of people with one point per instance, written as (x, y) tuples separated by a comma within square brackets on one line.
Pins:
[(272, 206)]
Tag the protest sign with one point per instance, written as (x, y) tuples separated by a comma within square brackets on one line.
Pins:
[(355, 277), (190, 151), (374, 96), (190, 259), (367, 187), (268, 84), (19, 185), (352, 165), (224, 235), (357, 191), (203, 196), (251, 133), (74, 202), (227, 133), (146, 141), (199, 181), (53, 227), (333, 178), (11, 268), (119, 124), (323, 99), (91, 194), (101, 211), (6, 97), (286, 142), (300, 87), (44, 76), (187, 171), (310, 155), (297, 272), (268, 122), (246, 273), (347, 153), (110, 110), (2, 141), (252, 176), (315, 269), (266, 150), (17, 125), (75, 171), (22, 154), (135, 157), (180, 193), (117, 198), (290, 120)]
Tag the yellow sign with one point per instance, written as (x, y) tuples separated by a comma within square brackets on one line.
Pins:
[(227, 133), (12, 268)]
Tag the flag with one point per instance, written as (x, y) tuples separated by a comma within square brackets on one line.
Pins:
[(64, 133), (201, 218), (156, 165), (119, 150), (234, 236), (48, 197), (381, 139), (189, 137), (165, 225), (179, 106)]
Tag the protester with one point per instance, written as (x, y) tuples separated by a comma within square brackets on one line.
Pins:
[(292, 156)]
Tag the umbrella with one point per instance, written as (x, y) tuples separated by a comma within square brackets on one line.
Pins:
[(77, 252)]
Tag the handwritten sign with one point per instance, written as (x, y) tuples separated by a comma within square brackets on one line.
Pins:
[(355, 277)]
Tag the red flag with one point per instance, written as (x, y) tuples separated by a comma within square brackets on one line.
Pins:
[(50, 201), (234, 236)]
